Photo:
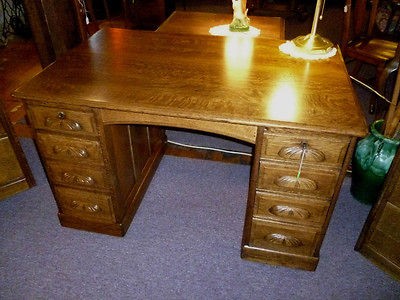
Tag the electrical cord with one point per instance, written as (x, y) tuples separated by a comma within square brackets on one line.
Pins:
[(209, 148), (371, 89)]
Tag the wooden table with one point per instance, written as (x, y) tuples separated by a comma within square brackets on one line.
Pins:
[(201, 22), (98, 115)]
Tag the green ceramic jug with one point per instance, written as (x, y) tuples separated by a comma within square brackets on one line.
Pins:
[(371, 162)]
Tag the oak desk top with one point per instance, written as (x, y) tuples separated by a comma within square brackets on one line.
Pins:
[(199, 77), (200, 23)]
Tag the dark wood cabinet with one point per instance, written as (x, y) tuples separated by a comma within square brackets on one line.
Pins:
[(379, 240), (15, 174)]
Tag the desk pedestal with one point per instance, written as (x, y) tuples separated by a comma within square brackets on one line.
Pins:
[(295, 181), (98, 173)]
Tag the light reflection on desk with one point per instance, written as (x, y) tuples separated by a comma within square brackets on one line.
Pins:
[(283, 103), (238, 57)]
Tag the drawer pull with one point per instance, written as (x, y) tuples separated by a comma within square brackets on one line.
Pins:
[(62, 122), (290, 212), (71, 151), (284, 240), (61, 115), (87, 208), (295, 153), (296, 183), (79, 179)]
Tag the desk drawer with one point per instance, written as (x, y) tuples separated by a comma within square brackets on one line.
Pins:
[(68, 148), (282, 178), (283, 238), (84, 205), (77, 175), (63, 120), (319, 149), (290, 209)]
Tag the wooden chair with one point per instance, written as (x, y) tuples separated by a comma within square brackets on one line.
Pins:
[(366, 39)]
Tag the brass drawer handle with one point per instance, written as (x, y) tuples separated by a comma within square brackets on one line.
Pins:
[(297, 182), (62, 122), (71, 151), (78, 179), (290, 212), (95, 208), (295, 153), (284, 240), (61, 115)]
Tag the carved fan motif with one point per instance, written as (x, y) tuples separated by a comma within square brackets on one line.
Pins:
[(297, 183), (284, 240), (80, 179), (88, 208), (295, 152), (62, 123), (291, 212), (71, 151)]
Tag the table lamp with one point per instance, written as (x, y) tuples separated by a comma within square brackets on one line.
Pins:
[(240, 25), (312, 45)]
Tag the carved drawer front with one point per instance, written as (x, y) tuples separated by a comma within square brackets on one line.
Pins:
[(63, 120), (283, 238), (290, 209), (388, 233), (314, 148), (71, 149), (76, 175), (284, 178), (84, 205)]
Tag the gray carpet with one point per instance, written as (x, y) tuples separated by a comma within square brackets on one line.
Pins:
[(184, 243)]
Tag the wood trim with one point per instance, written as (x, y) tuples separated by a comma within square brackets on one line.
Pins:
[(245, 133), (252, 188)]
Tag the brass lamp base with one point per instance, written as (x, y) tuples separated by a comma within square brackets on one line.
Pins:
[(313, 44), (309, 47)]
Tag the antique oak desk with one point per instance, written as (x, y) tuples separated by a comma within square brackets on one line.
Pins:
[(98, 114)]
